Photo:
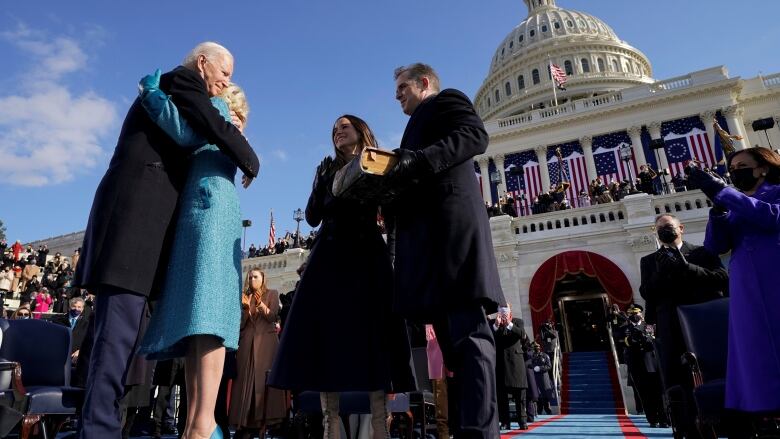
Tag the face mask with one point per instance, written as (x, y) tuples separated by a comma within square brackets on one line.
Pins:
[(743, 179), (25, 317), (75, 313), (635, 318), (667, 234)]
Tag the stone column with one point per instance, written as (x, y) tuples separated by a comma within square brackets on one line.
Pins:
[(498, 159), (733, 115), (587, 150), (544, 171), (655, 133), (706, 118), (484, 171), (635, 133)]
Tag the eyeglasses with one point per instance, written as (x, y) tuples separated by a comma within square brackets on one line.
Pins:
[(24, 314)]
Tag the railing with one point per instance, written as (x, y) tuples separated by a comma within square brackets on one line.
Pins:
[(602, 100), (290, 260), (682, 203), (571, 220), (772, 80), (671, 84), (557, 362), (616, 362)]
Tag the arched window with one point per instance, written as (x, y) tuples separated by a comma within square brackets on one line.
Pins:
[(544, 28), (498, 97), (511, 43), (520, 38), (508, 89), (488, 102), (567, 67), (535, 76), (532, 33), (557, 25), (601, 64), (520, 82), (615, 66), (585, 65)]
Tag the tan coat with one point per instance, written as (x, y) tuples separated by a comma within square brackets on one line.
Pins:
[(257, 345)]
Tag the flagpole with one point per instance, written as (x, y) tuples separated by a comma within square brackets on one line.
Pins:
[(552, 79)]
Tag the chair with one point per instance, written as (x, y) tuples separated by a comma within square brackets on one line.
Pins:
[(705, 330), (38, 354)]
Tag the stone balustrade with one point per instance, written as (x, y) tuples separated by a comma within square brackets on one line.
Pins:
[(570, 221)]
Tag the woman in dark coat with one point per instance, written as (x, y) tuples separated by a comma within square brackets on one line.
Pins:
[(746, 221), (257, 345), (540, 364), (341, 334)]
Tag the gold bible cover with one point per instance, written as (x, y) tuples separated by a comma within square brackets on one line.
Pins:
[(363, 177)]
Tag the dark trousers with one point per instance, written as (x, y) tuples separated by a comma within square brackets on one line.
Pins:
[(163, 408), (648, 386), (518, 395), (469, 351), (117, 319)]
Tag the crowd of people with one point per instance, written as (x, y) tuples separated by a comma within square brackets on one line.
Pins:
[(287, 241)]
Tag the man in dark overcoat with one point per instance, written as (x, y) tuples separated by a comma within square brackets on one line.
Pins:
[(679, 273), (511, 375), (131, 223), (445, 268)]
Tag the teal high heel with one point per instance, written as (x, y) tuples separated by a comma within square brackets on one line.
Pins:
[(217, 434)]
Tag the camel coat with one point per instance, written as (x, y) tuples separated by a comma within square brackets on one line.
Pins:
[(257, 345)]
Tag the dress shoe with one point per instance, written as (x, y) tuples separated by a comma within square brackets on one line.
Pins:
[(523, 426), (653, 425)]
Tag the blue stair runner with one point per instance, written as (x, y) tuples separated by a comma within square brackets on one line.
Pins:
[(588, 386)]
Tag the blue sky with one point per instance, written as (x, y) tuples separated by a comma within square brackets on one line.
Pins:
[(70, 71)]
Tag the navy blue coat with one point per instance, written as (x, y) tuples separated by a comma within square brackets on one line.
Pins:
[(444, 251), (130, 229)]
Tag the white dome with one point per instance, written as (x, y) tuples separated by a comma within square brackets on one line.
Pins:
[(580, 43)]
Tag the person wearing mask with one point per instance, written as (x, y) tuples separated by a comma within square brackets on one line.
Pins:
[(540, 364), (511, 375), (745, 220), (21, 313), (77, 322)]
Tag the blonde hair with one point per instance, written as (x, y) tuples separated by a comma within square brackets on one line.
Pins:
[(246, 297), (236, 100)]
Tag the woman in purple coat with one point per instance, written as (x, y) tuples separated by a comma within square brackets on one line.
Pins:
[(746, 221)]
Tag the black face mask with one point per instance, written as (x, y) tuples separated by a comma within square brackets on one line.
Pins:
[(743, 179), (667, 234), (636, 318)]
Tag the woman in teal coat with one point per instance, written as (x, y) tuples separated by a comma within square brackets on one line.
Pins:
[(199, 311)]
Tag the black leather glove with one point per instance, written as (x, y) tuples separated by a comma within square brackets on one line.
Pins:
[(670, 260), (710, 184), (321, 176), (411, 165)]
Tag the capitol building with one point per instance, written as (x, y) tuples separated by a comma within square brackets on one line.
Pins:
[(569, 264)]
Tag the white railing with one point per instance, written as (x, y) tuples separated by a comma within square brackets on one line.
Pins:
[(671, 84), (516, 120), (772, 80), (557, 362), (290, 260), (602, 100), (622, 382), (598, 217), (683, 204)]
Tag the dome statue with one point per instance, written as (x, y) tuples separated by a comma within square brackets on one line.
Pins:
[(592, 56)]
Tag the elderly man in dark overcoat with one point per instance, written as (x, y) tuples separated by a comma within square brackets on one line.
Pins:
[(445, 269), (132, 218), (511, 375)]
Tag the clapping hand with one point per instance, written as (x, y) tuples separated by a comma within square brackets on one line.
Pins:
[(246, 181), (323, 169), (709, 183), (670, 260)]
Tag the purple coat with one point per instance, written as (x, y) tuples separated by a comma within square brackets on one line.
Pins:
[(751, 230)]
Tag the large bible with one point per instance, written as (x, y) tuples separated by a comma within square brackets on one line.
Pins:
[(363, 177)]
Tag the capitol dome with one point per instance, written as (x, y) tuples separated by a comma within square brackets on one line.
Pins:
[(596, 61)]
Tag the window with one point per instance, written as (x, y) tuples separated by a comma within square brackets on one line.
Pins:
[(544, 28), (532, 33), (615, 66), (585, 65), (498, 97), (569, 23), (508, 89), (549, 73), (488, 102), (601, 64), (502, 51), (520, 38), (567, 67), (520, 82), (511, 44), (535, 76), (557, 25)]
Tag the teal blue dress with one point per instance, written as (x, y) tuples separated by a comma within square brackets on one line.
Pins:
[(202, 288)]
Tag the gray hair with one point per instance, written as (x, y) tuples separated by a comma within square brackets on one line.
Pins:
[(416, 71), (664, 215), (76, 300), (210, 50)]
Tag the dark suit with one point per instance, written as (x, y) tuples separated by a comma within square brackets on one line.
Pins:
[(511, 374), (124, 254), (704, 279), (445, 268), (77, 332)]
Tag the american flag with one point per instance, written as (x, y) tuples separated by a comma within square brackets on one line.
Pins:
[(478, 174), (606, 154), (272, 232), (684, 140), (558, 75), (523, 188), (574, 170)]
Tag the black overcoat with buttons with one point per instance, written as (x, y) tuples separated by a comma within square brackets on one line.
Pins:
[(130, 226), (340, 333), (444, 251)]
